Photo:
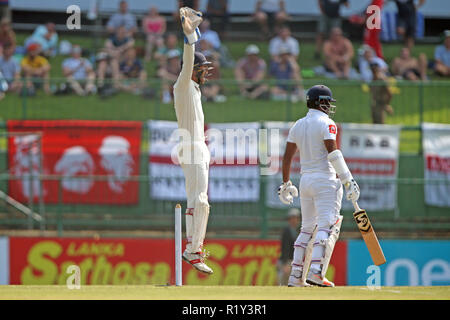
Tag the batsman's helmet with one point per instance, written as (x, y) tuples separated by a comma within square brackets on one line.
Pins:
[(320, 96), (200, 60)]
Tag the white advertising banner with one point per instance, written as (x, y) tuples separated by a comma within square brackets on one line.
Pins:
[(436, 152), (275, 144), (4, 260), (371, 153), (166, 177), (234, 169)]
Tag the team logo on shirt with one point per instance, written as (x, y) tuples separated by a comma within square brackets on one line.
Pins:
[(332, 128)]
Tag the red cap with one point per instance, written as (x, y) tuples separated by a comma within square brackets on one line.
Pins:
[(33, 46)]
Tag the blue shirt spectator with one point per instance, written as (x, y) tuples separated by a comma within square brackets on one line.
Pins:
[(9, 67), (122, 19), (442, 53), (442, 56), (285, 69), (366, 58), (79, 67), (46, 36), (210, 35), (284, 39), (131, 69)]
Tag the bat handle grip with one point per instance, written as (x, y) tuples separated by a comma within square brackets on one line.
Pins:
[(356, 206)]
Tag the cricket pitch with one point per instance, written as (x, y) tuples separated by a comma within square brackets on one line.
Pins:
[(152, 292)]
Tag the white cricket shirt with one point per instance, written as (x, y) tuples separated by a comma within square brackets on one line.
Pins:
[(187, 98), (308, 134)]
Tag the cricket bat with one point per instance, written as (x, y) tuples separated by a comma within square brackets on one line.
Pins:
[(368, 234)]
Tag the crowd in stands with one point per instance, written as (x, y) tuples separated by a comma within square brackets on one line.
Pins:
[(120, 64)]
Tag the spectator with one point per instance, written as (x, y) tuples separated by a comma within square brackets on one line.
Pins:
[(372, 35), (209, 35), (442, 57), (7, 35), (406, 22), (270, 13), (169, 72), (410, 68), (338, 52), (78, 72), (10, 69), (250, 72), (380, 95), (5, 12), (330, 18), (217, 13), (213, 38), (46, 37), (35, 69), (284, 39), (171, 43), (366, 58), (132, 73), (207, 48), (211, 91), (154, 26), (288, 237), (107, 70), (285, 70), (3, 86), (123, 18), (117, 44)]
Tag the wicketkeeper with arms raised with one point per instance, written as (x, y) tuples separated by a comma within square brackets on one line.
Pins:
[(193, 154), (320, 190)]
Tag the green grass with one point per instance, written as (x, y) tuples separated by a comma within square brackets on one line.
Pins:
[(11, 292)]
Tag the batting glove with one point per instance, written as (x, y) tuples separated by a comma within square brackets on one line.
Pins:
[(286, 192), (352, 190)]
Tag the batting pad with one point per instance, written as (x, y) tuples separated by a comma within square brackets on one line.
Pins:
[(308, 255), (189, 227), (330, 243), (200, 222)]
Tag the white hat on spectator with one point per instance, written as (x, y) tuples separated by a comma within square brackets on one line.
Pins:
[(252, 49)]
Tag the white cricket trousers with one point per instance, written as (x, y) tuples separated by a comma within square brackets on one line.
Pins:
[(196, 182), (320, 200)]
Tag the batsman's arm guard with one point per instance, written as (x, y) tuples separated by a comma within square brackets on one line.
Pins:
[(338, 162)]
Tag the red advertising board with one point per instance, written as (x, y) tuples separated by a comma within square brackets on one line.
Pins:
[(150, 261), (75, 150)]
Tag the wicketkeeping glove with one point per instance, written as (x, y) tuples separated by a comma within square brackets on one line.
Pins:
[(190, 20), (286, 192)]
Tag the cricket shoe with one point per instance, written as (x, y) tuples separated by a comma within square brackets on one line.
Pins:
[(295, 279), (317, 280), (197, 260)]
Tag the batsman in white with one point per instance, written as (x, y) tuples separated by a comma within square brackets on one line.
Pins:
[(193, 154), (320, 190)]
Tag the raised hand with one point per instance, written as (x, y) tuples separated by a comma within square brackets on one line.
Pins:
[(190, 19)]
